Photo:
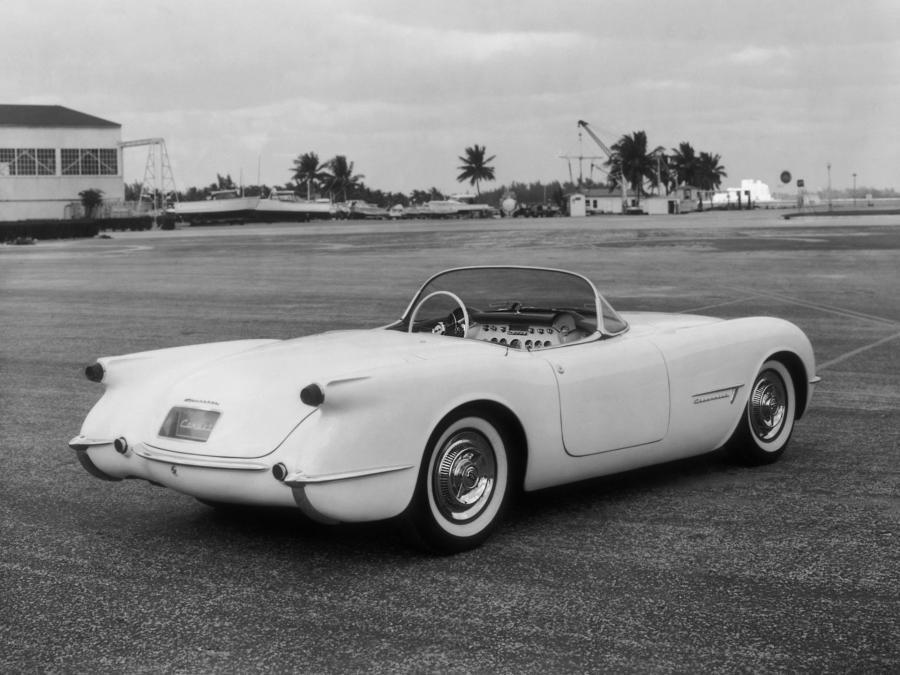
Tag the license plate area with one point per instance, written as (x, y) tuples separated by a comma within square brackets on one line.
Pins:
[(189, 424)]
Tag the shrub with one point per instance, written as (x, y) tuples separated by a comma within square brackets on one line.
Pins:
[(90, 200)]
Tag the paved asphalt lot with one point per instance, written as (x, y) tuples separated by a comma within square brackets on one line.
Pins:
[(699, 566)]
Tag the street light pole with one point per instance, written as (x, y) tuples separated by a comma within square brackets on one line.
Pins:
[(829, 186), (854, 189)]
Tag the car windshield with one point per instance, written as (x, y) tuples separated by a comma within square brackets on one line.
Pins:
[(493, 291)]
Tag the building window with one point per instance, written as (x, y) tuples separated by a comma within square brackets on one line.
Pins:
[(46, 161), (109, 162), (70, 162), (90, 162), (27, 162)]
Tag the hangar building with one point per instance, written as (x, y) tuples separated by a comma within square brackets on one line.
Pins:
[(49, 153)]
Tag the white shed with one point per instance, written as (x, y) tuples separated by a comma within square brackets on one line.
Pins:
[(576, 205)]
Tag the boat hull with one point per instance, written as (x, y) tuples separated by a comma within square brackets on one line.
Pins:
[(211, 212), (276, 211)]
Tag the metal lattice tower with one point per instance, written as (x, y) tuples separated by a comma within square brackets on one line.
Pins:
[(158, 185)]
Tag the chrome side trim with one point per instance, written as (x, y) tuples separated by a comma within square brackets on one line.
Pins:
[(729, 393), (815, 380), (348, 380), (299, 479), (169, 457)]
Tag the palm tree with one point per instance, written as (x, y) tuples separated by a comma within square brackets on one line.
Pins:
[(632, 162), (685, 163), (710, 172), (307, 169), (342, 176), (475, 167)]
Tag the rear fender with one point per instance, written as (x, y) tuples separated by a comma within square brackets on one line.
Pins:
[(384, 421)]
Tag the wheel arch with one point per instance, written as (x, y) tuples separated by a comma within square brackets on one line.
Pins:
[(797, 369)]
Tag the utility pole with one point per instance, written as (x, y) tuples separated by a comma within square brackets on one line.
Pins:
[(829, 186), (854, 189)]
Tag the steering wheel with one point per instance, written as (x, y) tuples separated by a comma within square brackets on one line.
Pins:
[(453, 315)]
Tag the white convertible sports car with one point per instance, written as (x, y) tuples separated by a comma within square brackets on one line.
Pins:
[(494, 379)]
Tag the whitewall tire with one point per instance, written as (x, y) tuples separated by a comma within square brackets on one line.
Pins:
[(768, 418), (464, 484)]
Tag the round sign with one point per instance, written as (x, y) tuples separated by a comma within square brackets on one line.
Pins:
[(785, 176)]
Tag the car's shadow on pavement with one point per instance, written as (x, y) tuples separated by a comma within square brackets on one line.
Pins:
[(286, 531), (624, 486)]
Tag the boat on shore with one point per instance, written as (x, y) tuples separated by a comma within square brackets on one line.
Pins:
[(221, 207), (284, 205), (443, 208), (357, 209)]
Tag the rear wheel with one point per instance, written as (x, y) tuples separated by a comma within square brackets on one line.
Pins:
[(463, 484), (768, 419)]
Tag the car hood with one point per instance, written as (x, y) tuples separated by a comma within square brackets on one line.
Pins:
[(257, 392)]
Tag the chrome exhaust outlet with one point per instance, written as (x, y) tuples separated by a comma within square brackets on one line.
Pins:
[(121, 445)]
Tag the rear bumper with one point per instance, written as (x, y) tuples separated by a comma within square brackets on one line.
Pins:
[(351, 496)]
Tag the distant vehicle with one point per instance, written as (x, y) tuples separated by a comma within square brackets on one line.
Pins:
[(222, 206), (492, 380), (523, 210)]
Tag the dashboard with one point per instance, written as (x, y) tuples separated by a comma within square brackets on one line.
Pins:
[(528, 332)]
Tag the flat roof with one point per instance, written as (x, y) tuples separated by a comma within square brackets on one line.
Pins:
[(49, 116)]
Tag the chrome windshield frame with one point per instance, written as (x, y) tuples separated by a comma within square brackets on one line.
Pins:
[(599, 302)]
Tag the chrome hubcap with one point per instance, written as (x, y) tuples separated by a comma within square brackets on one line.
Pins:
[(465, 473), (768, 406)]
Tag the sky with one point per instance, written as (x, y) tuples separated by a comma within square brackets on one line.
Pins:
[(402, 87)]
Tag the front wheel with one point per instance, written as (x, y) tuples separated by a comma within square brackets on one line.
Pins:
[(463, 484), (768, 420)]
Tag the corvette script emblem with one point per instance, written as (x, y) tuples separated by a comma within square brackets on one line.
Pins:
[(717, 394)]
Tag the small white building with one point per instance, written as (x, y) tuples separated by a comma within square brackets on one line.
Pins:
[(606, 201), (661, 205), (49, 153), (596, 201), (750, 193), (576, 205)]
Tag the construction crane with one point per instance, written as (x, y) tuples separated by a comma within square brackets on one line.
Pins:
[(599, 167), (587, 127), (580, 159)]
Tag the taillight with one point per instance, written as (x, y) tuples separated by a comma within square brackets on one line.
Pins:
[(94, 372), (312, 395)]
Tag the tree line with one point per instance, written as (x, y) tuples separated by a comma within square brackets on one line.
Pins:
[(644, 170), (631, 162)]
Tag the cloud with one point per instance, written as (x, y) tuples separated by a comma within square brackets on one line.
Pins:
[(663, 85), (402, 87), (753, 55)]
